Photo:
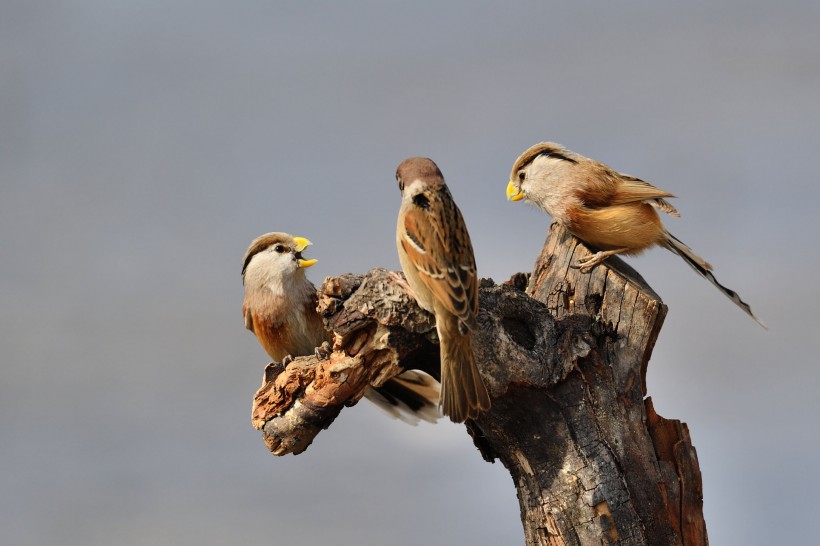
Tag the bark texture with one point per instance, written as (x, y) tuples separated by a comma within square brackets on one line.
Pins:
[(564, 357)]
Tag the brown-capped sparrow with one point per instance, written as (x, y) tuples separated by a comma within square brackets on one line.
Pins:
[(280, 309), (437, 258), (614, 212)]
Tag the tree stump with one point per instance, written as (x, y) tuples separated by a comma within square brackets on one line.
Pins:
[(564, 357)]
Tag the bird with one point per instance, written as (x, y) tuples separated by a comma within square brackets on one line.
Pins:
[(279, 307), (436, 256), (614, 212)]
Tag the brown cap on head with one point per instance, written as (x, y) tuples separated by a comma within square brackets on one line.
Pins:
[(418, 168), (262, 242), (548, 148)]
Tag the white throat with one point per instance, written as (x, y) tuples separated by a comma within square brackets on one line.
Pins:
[(269, 274)]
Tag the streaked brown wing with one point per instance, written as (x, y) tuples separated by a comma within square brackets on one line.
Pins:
[(437, 243)]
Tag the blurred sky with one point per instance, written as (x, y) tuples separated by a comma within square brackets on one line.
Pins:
[(143, 145)]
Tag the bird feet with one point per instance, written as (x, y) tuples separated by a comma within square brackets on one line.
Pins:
[(585, 264), (287, 360), (403, 282), (323, 351)]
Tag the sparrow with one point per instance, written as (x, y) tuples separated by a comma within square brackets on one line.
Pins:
[(614, 212), (437, 259), (280, 309)]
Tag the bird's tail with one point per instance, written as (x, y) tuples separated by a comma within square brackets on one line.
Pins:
[(704, 269), (463, 394), (410, 397)]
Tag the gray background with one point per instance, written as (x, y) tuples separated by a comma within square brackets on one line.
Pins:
[(144, 144)]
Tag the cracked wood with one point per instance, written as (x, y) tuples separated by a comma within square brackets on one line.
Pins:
[(564, 356)]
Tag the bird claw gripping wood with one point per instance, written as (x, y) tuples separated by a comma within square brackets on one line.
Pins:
[(586, 264), (323, 351)]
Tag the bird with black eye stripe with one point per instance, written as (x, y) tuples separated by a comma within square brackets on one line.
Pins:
[(612, 211), (437, 258), (280, 309)]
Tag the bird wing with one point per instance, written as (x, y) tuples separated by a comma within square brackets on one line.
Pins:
[(664, 206), (632, 190), (248, 316), (436, 241)]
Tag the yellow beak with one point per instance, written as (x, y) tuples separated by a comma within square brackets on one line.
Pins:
[(301, 244), (514, 192)]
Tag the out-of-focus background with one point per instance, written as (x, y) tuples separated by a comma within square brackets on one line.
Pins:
[(143, 145)]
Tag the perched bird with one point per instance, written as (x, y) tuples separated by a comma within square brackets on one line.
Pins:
[(280, 301), (614, 212), (437, 258), (280, 309)]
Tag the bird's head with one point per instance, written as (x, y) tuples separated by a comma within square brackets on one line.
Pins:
[(418, 174), (276, 257), (538, 173)]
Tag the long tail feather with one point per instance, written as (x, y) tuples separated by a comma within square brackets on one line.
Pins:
[(463, 394), (409, 397), (704, 269)]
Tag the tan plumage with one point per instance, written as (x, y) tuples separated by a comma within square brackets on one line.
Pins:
[(437, 258), (280, 302), (280, 309), (609, 210)]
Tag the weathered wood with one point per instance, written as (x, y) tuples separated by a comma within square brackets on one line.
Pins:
[(565, 364), (379, 332), (621, 473)]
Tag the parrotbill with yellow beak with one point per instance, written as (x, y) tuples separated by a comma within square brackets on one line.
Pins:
[(280, 309), (615, 212)]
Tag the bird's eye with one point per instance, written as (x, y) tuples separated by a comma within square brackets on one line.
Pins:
[(401, 184), (521, 176), (279, 248)]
